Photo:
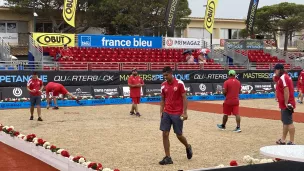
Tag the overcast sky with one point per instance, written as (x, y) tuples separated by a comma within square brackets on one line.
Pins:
[(237, 9), (227, 8)]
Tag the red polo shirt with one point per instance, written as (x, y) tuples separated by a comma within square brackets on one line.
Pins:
[(285, 81), (173, 96), (233, 88), (275, 78), (35, 84), (56, 88), (134, 80), (301, 78)]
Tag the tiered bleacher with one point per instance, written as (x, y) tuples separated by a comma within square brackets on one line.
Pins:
[(126, 59)]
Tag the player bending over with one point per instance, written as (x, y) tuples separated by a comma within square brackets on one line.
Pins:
[(55, 89)]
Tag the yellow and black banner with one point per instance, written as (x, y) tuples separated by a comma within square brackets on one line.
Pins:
[(210, 15), (170, 17), (251, 15), (54, 39), (69, 11)]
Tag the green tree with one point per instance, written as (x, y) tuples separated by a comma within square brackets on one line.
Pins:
[(50, 9), (136, 17), (284, 18)]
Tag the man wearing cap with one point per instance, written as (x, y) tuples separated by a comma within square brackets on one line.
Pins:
[(135, 83), (35, 87), (287, 104), (231, 91)]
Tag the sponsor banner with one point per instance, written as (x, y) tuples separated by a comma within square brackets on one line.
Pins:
[(80, 90), (54, 39), (154, 77), (69, 11), (10, 38), (97, 78), (210, 14), (152, 89), (251, 15), (247, 87), (106, 90), (217, 87), (202, 88), (89, 40), (263, 87), (15, 92), (188, 88), (126, 91), (183, 43), (243, 44), (170, 16)]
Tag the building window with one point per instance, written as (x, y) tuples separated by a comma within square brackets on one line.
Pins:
[(224, 34), (2, 28), (230, 34), (9, 27), (235, 34), (44, 27)]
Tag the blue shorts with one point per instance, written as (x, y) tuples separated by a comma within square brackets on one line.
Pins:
[(35, 100), (167, 120)]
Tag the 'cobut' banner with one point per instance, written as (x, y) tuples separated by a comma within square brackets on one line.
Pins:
[(69, 11), (170, 17), (251, 15), (210, 15), (54, 39)]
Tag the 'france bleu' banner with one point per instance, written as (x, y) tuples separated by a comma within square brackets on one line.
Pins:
[(119, 41)]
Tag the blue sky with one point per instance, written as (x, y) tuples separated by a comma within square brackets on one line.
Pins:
[(237, 9), (227, 8)]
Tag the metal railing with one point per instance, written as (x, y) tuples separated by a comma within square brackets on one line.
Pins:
[(5, 51), (126, 66), (36, 50)]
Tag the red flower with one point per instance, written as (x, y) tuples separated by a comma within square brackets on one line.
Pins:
[(76, 159), (40, 142), (9, 129), (65, 153), (233, 163), (53, 147), (16, 133), (278, 159), (116, 170), (91, 165), (30, 137), (99, 166)]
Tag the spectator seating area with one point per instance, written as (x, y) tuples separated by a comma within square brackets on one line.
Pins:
[(125, 59), (148, 59)]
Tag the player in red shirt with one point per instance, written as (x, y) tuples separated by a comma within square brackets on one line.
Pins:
[(231, 91), (173, 111), (54, 89), (35, 87), (301, 87), (275, 79), (135, 83), (66, 53), (287, 104)]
